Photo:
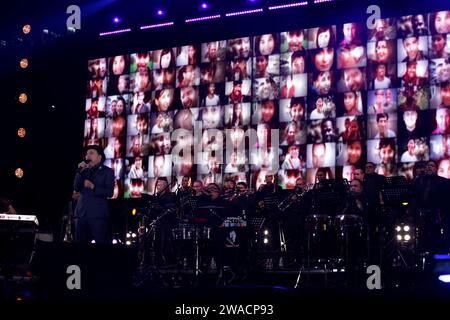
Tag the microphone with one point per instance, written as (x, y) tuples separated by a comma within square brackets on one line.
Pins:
[(86, 161)]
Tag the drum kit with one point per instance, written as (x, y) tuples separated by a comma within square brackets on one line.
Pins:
[(333, 240), (188, 236)]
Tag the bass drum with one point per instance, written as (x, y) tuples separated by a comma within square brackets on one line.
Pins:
[(184, 232), (349, 238), (319, 234)]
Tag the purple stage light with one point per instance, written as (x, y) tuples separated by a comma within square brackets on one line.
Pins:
[(239, 13), (152, 26), (114, 32), (289, 5), (217, 16), (116, 20)]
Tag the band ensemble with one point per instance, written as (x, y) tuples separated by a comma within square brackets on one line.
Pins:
[(208, 226)]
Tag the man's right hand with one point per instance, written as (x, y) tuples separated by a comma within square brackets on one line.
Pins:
[(82, 166)]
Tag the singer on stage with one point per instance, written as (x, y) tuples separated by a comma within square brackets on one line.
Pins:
[(95, 183)]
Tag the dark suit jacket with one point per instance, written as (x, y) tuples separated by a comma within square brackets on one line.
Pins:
[(93, 203)]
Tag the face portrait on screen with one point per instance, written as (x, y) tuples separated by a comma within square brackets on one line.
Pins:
[(444, 168), (167, 59), (386, 151), (159, 165), (322, 83), (411, 46), (441, 22), (298, 62), (438, 43), (351, 104), (380, 28), (349, 31), (445, 95), (267, 111), (211, 117), (192, 54), (354, 79), (442, 121), (354, 152), (136, 188), (318, 153), (410, 119), (101, 68), (162, 143), (184, 119), (188, 96), (241, 47), (266, 89), (382, 53), (120, 107), (186, 76), (164, 99), (295, 40), (236, 136), (325, 37), (118, 65), (261, 67), (142, 123), (212, 50), (297, 109), (290, 134), (142, 62), (266, 44), (323, 59)]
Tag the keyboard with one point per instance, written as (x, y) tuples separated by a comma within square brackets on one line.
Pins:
[(19, 217)]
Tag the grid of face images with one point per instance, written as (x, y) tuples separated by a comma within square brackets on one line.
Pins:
[(339, 95)]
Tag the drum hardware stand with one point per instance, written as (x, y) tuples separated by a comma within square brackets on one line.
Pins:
[(145, 269), (197, 270)]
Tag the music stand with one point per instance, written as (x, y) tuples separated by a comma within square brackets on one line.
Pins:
[(205, 216)]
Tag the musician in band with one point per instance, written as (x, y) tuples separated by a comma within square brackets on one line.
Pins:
[(268, 198), (164, 203), (295, 208), (229, 189), (357, 204), (95, 183), (242, 202), (183, 193), (373, 184), (6, 206), (430, 206), (190, 203)]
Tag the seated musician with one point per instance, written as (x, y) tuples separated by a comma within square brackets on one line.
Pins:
[(165, 221), (243, 202), (268, 200), (229, 189), (6, 206), (185, 190), (296, 207), (189, 207), (430, 205), (216, 204), (268, 195), (357, 202), (183, 193)]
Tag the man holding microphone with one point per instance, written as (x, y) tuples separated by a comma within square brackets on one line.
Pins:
[(95, 183)]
